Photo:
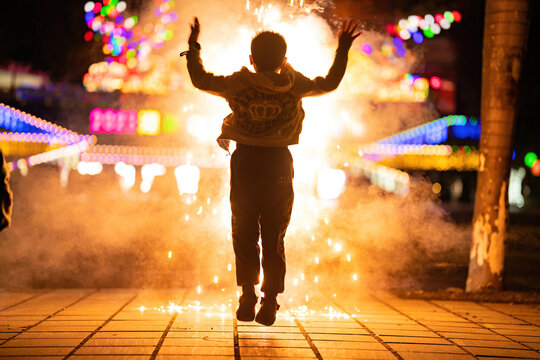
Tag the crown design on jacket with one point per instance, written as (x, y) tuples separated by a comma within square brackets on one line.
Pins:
[(262, 112)]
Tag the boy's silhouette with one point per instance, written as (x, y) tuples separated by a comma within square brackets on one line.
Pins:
[(266, 117)]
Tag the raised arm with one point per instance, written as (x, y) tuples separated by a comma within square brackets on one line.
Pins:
[(330, 82), (200, 78)]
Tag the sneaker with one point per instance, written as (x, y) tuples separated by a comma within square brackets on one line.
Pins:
[(267, 312), (246, 309)]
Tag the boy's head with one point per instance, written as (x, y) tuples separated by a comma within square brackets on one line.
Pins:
[(268, 51)]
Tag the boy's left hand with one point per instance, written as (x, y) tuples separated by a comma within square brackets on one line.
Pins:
[(346, 33), (195, 30)]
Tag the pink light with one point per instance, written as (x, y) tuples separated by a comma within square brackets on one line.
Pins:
[(435, 82)]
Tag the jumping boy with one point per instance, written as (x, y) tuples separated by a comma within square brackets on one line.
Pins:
[(266, 118)]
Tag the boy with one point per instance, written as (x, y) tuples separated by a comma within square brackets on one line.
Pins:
[(266, 117)]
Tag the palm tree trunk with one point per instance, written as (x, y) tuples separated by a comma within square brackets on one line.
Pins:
[(505, 35)]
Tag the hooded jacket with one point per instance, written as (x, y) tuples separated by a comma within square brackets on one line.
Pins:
[(266, 106)]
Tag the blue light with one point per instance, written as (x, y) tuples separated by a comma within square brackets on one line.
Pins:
[(400, 52), (417, 37), (436, 132), (464, 129)]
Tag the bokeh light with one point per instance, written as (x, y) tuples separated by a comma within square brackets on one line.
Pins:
[(530, 159)]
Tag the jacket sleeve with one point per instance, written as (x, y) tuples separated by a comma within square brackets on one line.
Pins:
[(6, 196), (200, 78), (321, 85)]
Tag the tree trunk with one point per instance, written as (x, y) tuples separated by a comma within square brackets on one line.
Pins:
[(505, 35)]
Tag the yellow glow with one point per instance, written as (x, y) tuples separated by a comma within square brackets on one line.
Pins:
[(169, 255), (149, 122), (199, 289)]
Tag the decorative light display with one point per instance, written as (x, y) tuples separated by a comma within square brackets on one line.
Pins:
[(42, 132), (417, 149), (19, 122), (436, 132), (138, 155), (22, 148), (411, 88), (389, 150), (149, 122), (113, 121), (142, 122), (460, 160), (127, 44), (417, 27)]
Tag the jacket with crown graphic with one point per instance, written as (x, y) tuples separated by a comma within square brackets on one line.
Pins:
[(266, 106)]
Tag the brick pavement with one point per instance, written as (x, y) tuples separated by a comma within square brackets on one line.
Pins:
[(136, 324)]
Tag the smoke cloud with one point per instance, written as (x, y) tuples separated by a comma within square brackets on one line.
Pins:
[(91, 233)]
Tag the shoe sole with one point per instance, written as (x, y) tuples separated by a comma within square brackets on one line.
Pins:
[(247, 319), (263, 323)]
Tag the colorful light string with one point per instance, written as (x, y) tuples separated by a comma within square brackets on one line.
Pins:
[(126, 43), (31, 129)]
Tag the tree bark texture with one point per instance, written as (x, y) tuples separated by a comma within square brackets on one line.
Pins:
[(505, 35)]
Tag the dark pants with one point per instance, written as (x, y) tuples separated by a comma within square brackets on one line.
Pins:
[(261, 203)]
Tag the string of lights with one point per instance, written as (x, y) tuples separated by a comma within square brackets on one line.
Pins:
[(21, 122)]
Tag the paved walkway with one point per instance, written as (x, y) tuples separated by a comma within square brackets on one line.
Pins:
[(176, 324)]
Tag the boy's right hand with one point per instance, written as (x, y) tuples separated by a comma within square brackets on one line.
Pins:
[(346, 33), (195, 30)]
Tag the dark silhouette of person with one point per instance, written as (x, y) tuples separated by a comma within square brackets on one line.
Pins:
[(6, 196), (266, 118)]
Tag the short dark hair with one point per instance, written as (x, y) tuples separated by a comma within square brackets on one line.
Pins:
[(268, 49)]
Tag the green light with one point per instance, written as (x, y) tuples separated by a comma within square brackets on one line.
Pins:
[(449, 16), (428, 33), (170, 124), (530, 158)]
